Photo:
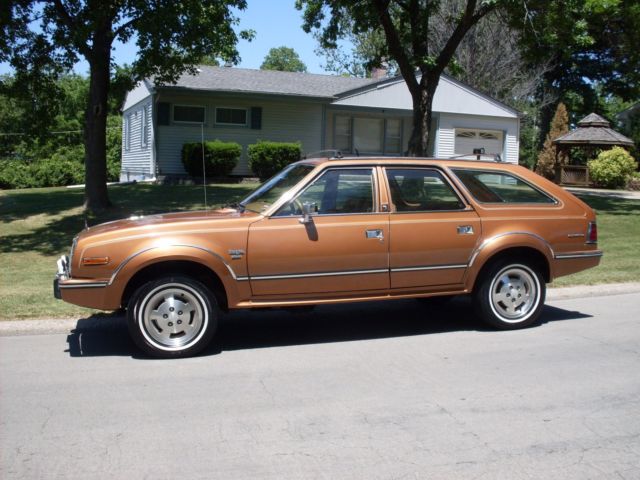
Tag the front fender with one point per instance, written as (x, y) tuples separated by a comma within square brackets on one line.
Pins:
[(492, 246)]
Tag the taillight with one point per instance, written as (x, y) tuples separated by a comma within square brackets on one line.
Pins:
[(592, 233)]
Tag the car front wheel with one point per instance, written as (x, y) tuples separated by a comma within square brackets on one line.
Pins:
[(172, 317), (510, 295)]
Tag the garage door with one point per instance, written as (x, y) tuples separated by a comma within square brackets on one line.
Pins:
[(468, 139)]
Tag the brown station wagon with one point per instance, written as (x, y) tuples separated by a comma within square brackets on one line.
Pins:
[(337, 230)]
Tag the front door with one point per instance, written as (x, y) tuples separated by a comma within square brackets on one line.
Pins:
[(344, 248), (432, 231)]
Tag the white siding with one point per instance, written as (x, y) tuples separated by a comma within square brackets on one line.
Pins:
[(137, 160), (282, 121), (449, 122), (451, 97)]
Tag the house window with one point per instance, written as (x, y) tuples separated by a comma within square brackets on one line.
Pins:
[(231, 116), (144, 128), (393, 136), (469, 139), (188, 113), (343, 133), (368, 135), (127, 132)]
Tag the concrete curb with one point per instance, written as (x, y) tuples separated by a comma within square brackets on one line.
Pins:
[(116, 322)]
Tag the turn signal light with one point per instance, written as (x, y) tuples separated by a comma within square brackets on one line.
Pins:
[(92, 261), (592, 233)]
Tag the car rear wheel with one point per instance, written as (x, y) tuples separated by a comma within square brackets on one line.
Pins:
[(172, 317), (510, 295)]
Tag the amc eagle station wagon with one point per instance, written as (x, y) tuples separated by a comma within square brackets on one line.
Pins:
[(337, 230)]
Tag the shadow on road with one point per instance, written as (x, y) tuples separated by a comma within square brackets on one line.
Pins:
[(239, 330)]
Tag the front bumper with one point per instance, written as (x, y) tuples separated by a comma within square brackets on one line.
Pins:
[(61, 274)]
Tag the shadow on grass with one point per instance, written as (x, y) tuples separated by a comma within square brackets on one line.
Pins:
[(244, 329), (611, 206), (55, 235)]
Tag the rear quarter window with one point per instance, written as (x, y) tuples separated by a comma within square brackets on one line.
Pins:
[(500, 187)]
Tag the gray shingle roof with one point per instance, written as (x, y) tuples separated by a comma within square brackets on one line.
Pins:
[(224, 79), (593, 130)]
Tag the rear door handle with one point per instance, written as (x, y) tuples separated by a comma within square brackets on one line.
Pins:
[(375, 233), (465, 230)]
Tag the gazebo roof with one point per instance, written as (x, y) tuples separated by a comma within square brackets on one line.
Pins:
[(593, 130)]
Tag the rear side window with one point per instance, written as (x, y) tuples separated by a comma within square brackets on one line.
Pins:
[(500, 187), (421, 190)]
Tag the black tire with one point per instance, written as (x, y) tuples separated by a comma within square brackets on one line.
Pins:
[(172, 317), (510, 294)]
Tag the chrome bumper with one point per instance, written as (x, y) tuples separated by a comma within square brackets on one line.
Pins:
[(61, 274)]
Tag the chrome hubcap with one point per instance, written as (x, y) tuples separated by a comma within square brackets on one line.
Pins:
[(173, 317), (514, 294)]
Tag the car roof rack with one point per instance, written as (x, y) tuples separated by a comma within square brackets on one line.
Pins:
[(491, 157), (331, 154)]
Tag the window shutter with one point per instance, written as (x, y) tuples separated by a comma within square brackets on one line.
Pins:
[(256, 118), (164, 110)]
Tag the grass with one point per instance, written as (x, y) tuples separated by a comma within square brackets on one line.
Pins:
[(37, 226)]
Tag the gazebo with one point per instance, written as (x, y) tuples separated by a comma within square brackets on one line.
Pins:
[(593, 133)]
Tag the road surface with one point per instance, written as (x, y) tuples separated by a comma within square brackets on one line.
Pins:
[(381, 390)]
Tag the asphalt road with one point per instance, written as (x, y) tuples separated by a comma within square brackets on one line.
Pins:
[(377, 390)]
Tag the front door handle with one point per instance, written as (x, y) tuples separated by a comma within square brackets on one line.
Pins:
[(376, 233), (465, 230)]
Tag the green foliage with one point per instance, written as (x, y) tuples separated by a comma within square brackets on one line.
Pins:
[(268, 158), (284, 59), (219, 158), (612, 168)]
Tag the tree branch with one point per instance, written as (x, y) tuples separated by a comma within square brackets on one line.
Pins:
[(395, 46), (71, 25)]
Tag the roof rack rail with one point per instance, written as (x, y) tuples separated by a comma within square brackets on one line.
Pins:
[(495, 157), (333, 154)]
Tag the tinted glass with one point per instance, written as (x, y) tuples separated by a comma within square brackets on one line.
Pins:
[(420, 190), (500, 187)]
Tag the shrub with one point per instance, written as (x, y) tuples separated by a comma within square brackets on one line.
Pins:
[(57, 173), (219, 158), (268, 158), (612, 168), (16, 174), (633, 182)]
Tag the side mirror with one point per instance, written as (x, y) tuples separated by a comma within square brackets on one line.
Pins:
[(308, 208)]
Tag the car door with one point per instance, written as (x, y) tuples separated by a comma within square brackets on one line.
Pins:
[(343, 248), (433, 231)]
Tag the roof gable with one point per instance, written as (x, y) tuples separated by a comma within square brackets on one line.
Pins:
[(451, 96)]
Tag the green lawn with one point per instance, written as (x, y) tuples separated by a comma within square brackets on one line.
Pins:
[(37, 226)]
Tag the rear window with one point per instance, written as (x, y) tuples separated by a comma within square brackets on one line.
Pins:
[(500, 187)]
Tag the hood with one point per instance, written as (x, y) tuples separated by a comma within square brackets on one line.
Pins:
[(158, 221)]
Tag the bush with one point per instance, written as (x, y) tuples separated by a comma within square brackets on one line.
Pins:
[(612, 168), (268, 158), (16, 174), (219, 158), (633, 182), (57, 173)]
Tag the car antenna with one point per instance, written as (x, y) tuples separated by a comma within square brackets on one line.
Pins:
[(204, 171)]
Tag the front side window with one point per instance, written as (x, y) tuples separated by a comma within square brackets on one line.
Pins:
[(336, 191), (231, 116), (421, 190), (500, 187), (188, 113)]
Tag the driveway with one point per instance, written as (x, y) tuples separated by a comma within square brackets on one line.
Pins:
[(375, 390)]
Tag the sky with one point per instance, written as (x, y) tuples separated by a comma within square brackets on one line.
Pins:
[(276, 23)]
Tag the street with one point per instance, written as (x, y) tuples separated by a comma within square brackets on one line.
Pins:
[(382, 390)]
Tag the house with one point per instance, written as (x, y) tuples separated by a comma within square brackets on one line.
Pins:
[(354, 115)]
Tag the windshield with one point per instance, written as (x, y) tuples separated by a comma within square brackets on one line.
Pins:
[(267, 194)]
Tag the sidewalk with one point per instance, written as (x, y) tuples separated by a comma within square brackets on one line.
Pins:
[(117, 322), (600, 192)]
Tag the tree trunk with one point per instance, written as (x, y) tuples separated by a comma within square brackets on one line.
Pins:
[(422, 116), (95, 130)]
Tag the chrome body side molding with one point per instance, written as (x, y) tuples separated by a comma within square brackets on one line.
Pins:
[(571, 255)]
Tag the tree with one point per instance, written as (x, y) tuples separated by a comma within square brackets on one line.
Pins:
[(284, 59), (549, 154), (407, 29), (171, 37)]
